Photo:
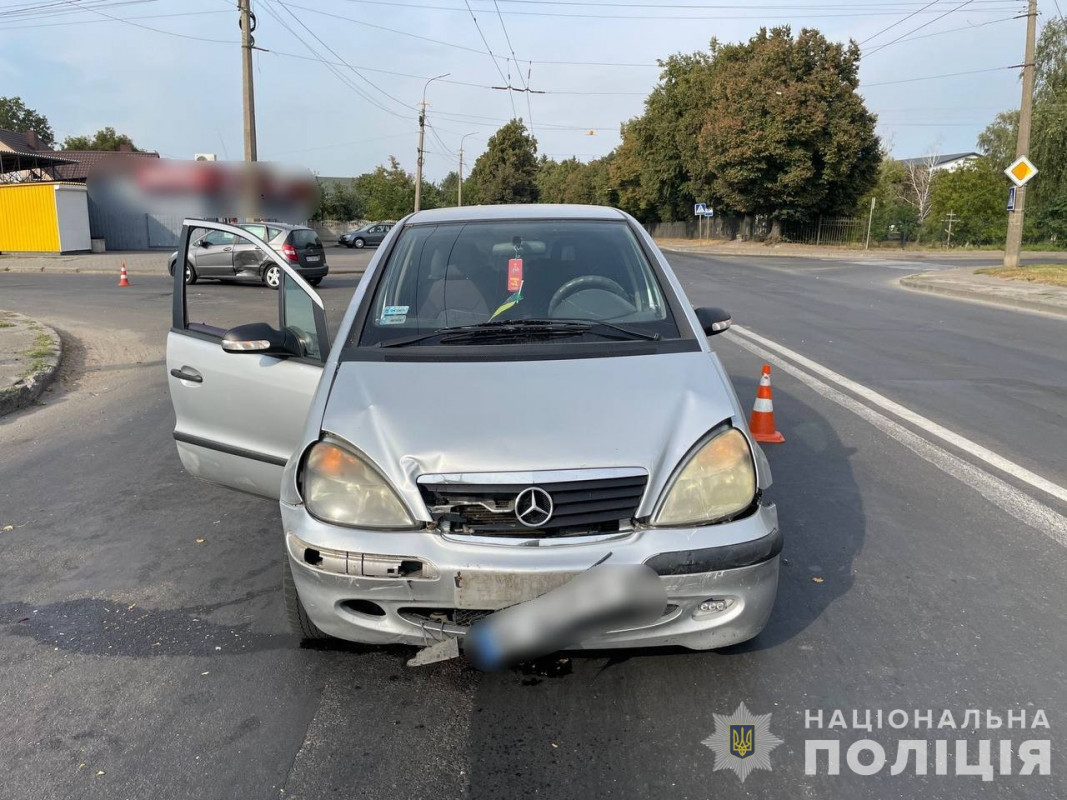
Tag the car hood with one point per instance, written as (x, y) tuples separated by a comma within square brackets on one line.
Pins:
[(416, 418)]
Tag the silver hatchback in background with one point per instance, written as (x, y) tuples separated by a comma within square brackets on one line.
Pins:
[(222, 255), (515, 394)]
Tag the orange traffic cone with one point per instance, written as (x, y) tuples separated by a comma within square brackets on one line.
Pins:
[(762, 422), (123, 278)]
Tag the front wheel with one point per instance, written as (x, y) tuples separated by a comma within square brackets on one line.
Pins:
[(272, 276), (190, 275), (299, 622), (358, 244)]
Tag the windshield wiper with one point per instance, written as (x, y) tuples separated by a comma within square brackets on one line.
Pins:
[(518, 327)]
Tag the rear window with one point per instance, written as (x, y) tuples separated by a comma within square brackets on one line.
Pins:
[(305, 237), (455, 274)]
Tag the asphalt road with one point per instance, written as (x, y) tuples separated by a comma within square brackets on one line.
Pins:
[(140, 662)]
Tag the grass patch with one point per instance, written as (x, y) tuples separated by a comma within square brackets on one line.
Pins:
[(6, 324), (1050, 274), (39, 355)]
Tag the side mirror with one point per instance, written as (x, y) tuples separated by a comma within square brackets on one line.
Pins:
[(261, 338), (713, 320)]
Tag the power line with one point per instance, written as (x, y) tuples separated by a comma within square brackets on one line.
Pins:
[(935, 77), (154, 30), (898, 22), (970, 27), (913, 30), (7, 27), (338, 56), (490, 51), (518, 69)]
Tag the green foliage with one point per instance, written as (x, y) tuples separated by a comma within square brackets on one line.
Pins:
[(977, 194), (773, 126), (572, 181), (389, 192), (340, 201), (103, 139), (894, 218), (507, 171), (1046, 194), (15, 116)]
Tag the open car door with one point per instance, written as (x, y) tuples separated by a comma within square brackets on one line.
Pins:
[(241, 394)]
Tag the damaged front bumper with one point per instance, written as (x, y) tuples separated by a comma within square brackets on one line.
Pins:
[(421, 587)]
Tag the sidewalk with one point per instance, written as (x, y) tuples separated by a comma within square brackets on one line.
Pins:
[(138, 262), (962, 283), (723, 247), (29, 358)]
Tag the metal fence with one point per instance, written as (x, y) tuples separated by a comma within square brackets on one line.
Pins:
[(825, 230), (724, 227)]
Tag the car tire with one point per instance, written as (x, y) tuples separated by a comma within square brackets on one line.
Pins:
[(314, 281), (358, 243), (190, 275), (272, 276), (299, 623)]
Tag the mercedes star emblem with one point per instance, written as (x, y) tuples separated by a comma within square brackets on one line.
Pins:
[(533, 507)]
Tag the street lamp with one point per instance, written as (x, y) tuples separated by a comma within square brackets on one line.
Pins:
[(422, 134), (459, 187)]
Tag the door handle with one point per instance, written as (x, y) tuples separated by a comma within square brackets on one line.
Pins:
[(227, 249), (187, 374)]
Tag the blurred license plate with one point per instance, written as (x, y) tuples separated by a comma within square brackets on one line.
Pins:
[(493, 590), (313, 258)]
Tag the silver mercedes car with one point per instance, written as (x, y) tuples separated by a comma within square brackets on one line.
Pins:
[(515, 395)]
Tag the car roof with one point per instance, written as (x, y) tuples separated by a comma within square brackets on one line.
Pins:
[(512, 212), (285, 226)]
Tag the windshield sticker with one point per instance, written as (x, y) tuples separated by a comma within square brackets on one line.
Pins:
[(394, 315), (514, 274)]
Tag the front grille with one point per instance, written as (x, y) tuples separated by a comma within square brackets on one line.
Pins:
[(465, 617), (579, 506)]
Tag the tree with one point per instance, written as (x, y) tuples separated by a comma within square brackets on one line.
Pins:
[(918, 185), (773, 126), (340, 200), (15, 116), (785, 133), (999, 139), (507, 171), (103, 139), (975, 194), (389, 191), (447, 190)]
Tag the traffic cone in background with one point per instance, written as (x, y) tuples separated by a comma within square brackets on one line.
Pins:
[(762, 422), (123, 278)]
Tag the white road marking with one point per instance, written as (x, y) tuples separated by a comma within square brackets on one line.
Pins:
[(907, 266), (1002, 494)]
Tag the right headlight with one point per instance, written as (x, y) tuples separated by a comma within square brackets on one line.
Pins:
[(340, 487), (719, 480)]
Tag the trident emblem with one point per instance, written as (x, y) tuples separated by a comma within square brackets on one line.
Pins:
[(742, 741)]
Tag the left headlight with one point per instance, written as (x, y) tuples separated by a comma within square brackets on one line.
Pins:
[(718, 480), (342, 488)]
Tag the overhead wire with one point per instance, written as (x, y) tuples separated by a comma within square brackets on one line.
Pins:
[(496, 64)]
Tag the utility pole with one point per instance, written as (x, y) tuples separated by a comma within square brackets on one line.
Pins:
[(248, 24), (950, 218), (1015, 218), (422, 137), (870, 222), (459, 187)]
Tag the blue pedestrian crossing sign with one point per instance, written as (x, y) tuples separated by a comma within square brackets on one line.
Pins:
[(700, 209)]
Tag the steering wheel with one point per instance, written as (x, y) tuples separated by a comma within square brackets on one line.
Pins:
[(582, 283)]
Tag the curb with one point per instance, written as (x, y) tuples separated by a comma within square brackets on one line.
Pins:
[(917, 283), (29, 389)]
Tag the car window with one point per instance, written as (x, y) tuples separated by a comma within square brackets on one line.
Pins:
[(273, 233), (305, 237), (472, 273), (257, 230), (218, 237)]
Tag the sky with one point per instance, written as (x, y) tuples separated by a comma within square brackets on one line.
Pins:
[(167, 72)]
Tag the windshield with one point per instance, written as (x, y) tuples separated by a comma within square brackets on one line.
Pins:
[(490, 274)]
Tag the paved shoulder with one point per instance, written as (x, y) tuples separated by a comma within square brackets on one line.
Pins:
[(30, 352)]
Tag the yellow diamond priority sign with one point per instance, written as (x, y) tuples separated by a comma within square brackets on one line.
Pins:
[(1021, 170)]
